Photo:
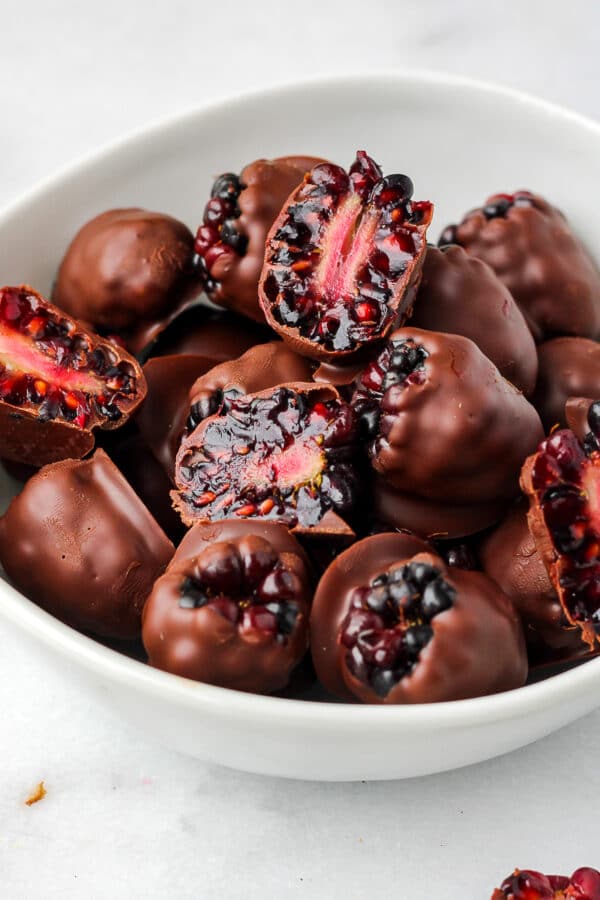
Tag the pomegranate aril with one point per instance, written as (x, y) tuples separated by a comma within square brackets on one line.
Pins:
[(227, 187)]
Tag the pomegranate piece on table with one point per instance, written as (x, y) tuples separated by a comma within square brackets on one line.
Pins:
[(460, 294), (232, 608), (129, 272), (230, 243), (525, 884), (283, 454), (532, 249), (81, 544), (446, 433), (343, 259), (58, 381), (562, 483), (568, 367), (392, 623)]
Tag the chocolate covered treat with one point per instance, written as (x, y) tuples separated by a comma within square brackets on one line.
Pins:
[(230, 243), (445, 428), (531, 248), (129, 272), (219, 335), (343, 260), (81, 544), (261, 367), (568, 367), (562, 483), (392, 623), (232, 608), (460, 294), (58, 381)]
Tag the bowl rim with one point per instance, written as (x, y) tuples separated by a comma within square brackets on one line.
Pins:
[(225, 702)]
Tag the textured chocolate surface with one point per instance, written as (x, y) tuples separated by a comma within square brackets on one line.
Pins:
[(460, 294), (540, 260), (81, 544), (568, 367), (477, 645), (267, 185), (576, 411), (230, 560), (216, 334), (127, 271)]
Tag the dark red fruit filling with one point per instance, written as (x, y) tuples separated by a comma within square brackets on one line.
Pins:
[(48, 365), (584, 884), (566, 483), (592, 439), (389, 623), (401, 363), (495, 208), (253, 589), (282, 456), (337, 263), (218, 233), (217, 403)]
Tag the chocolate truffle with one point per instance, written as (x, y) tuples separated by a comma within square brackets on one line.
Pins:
[(58, 381), (261, 367), (232, 608), (568, 367), (392, 623), (202, 331), (444, 426), (230, 243), (562, 483), (343, 260), (282, 454), (460, 294), (127, 271), (81, 544), (531, 248)]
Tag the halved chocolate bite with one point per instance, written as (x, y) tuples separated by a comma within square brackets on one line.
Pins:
[(128, 271), (81, 544), (568, 367), (444, 429), (343, 259), (232, 608), (392, 623), (230, 242), (531, 248), (58, 381), (562, 484), (460, 294), (286, 454)]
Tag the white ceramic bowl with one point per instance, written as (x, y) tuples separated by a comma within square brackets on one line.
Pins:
[(459, 141)]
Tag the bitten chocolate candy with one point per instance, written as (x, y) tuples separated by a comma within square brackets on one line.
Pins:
[(460, 294), (392, 623), (568, 367), (81, 544), (531, 248), (127, 271), (232, 608)]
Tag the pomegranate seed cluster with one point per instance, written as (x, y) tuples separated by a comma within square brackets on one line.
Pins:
[(526, 884), (372, 475)]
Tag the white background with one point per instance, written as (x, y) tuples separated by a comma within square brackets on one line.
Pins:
[(124, 818)]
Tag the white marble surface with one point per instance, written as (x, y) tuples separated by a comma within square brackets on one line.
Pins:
[(124, 818)]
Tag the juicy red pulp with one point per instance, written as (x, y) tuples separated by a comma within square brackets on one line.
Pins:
[(282, 456), (254, 591), (343, 252), (218, 234), (389, 623), (48, 365), (584, 884), (566, 483), (495, 208)]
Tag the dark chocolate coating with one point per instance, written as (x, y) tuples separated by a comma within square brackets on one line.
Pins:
[(543, 264), (477, 646), (127, 271), (202, 331), (462, 434), (163, 415), (510, 556), (460, 294), (81, 544), (568, 367), (204, 645), (267, 185)]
